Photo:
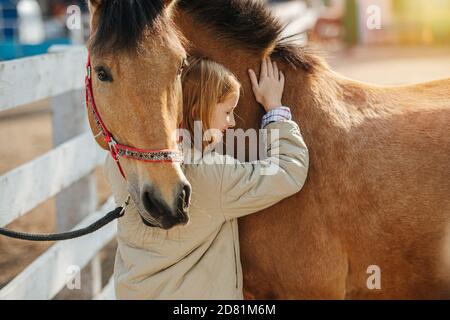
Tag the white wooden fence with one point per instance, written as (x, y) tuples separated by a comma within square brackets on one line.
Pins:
[(66, 172)]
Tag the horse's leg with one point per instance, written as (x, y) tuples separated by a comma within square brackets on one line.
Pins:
[(414, 269)]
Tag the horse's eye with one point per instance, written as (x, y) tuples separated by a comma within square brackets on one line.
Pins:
[(103, 75)]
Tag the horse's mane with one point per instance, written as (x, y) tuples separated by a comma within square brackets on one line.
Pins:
[(121, 23), (250, 24)]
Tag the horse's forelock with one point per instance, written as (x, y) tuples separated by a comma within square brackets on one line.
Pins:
[(121, 23)]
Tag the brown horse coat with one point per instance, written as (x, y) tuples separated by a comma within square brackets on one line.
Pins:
[(378, 191)]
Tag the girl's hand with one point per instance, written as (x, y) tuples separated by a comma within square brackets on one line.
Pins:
[(269, 90)]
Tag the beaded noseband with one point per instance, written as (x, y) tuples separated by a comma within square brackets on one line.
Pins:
[(118, 150)]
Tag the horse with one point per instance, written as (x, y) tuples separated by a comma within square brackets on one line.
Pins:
[(377, 195), (138, 98), (373, 219)]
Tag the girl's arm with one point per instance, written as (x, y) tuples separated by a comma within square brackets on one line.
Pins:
[(251, 187)]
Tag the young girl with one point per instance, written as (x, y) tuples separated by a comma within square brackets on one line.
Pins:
[(201, 260)]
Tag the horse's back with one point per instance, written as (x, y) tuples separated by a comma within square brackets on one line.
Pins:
[(433, 94)]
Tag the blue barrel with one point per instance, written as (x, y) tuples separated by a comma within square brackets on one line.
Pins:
[(8, 20)]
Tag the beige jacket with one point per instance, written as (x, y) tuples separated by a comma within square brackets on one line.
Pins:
[(201, 260)]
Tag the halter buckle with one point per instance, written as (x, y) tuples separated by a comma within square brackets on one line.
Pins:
[(112, 144), (88, 71), (125, 205)]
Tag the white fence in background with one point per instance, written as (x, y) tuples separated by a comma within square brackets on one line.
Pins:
[(67, 172), (298, 17)]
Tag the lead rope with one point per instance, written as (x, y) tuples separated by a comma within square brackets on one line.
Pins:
[(110, 216)]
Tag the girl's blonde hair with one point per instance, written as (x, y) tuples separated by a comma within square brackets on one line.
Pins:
[(205, 84)]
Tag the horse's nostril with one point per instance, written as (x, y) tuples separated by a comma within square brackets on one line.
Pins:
[(150, 203), (185, 196)]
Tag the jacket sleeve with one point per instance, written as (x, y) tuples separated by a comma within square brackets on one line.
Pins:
[(248, 187)]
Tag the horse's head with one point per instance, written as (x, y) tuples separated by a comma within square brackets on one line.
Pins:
[(136, 61)]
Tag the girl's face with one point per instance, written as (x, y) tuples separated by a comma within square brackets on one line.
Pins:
[(223, 114)]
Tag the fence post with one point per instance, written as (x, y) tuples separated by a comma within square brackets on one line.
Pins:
[(80, 199)]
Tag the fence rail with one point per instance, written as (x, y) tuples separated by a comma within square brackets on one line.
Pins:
[(47, 275), (27, 80), (29, 185), (67, 172)]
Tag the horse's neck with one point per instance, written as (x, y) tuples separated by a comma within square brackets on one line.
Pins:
[(315, 98), (317, 105)]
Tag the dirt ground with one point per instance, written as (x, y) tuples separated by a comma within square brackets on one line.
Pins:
[(26, 132)]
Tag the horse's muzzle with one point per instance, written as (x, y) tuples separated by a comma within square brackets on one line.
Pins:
[(160, 214)]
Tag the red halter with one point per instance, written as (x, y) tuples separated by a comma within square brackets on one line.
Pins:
[(118, 150)]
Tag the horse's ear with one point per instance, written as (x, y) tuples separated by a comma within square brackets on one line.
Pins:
[(93, 5)]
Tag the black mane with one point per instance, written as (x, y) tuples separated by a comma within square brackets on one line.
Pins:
[(250, 24), (121, 23)]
